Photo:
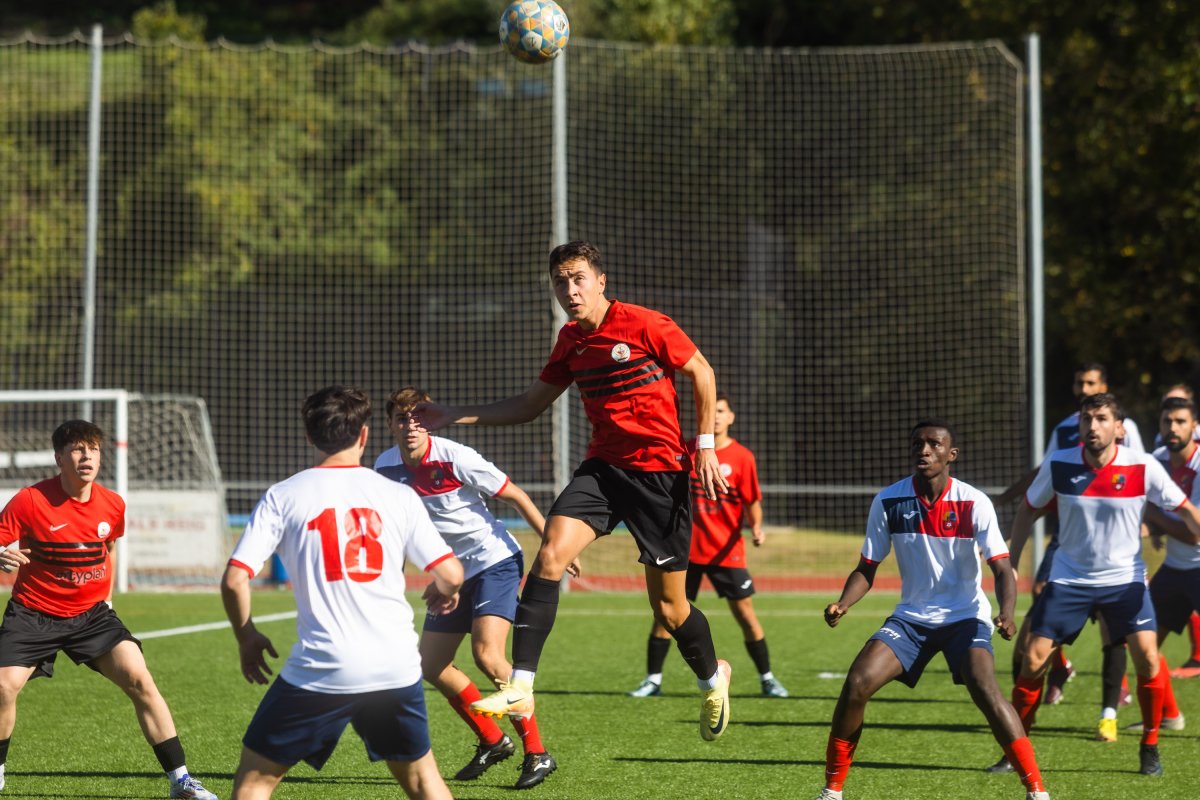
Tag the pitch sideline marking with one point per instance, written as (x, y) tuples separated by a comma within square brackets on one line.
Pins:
[(210, 626)]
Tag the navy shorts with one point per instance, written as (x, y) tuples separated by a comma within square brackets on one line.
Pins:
[(732, 583), (915, 645), (491, 592), (655, 506), (1062, 610), (1043, 572), (30, 638), (293, 724), (1175, 594)]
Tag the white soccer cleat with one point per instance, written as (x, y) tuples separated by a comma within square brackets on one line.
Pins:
[(1168, 724), (714, 707), (647, 688), (190, 789), (829, 794), (1037, 796), (514, 699)]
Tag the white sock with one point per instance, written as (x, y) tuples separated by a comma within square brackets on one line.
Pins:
[(1108, 713), (522, 675), (176, 775), (711, 683), (656, 678), (767, 676)]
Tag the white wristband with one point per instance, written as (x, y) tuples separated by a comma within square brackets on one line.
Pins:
[(706, 441)]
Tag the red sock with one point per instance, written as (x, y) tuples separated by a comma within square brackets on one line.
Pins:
[(1125, 684), (1020, 755), (527, 729), (1194, 635), (838, 755), (484, 727), (1060, 659), (1026, 697), (1150, 699), (1170, 707)]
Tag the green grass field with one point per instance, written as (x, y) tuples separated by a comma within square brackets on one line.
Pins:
[(76, 735)]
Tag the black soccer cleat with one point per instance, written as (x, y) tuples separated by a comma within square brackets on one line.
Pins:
[(485, 756), (535, 769), (1151, 763), (1000, 767)]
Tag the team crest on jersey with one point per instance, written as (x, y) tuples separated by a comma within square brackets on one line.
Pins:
[(726, 470), (1118, 482), (103, 530), (437, 477), (949, 520), (620, 352)]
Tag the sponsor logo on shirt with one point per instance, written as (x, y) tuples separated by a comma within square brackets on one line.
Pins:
[(620, 352), (80, 578)]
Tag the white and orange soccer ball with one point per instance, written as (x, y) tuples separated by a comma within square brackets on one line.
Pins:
[(534, 31)]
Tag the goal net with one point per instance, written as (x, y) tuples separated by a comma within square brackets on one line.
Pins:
[(159, 454)]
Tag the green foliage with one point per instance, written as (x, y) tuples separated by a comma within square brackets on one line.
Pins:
[(668, 22), (431, 21), (162, 20)]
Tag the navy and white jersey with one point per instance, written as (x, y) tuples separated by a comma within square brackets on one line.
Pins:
[(1181, 555), (453, 481), (937, 550), (1100, 513), (1066, 435)]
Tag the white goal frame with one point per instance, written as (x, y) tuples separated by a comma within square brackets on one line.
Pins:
[(120, 440)]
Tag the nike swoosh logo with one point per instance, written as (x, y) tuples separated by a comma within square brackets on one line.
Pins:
[(481, 605), (661, 561), (580, 350), (980, 640), (715, 729), (58, 527), (1142, 621)]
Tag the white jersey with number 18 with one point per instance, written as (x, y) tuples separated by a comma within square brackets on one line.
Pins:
[(343, 534)]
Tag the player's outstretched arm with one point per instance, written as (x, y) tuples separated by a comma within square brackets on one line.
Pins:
[(235, 594), (513, 410), (1006, 596), (704, 389), (858, 583)]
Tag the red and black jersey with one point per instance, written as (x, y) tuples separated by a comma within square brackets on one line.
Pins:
[(717, 524), (625, 371), (70, 567)]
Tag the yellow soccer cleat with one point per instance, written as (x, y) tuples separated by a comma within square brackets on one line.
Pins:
[(514, 699), (714, 707), (1106, 731)]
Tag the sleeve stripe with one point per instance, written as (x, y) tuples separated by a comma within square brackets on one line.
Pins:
[(233, 562), (997, 558), (869, 561), (507, 481), (437, 561)]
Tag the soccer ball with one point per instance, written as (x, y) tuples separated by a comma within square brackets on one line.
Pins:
[(534, 31)]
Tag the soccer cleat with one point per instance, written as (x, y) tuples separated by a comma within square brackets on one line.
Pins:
[(1000, 767), (485, 756), (1188, 669), (535, 769), (1168, 724), (191, 788), (771, 687), (829, 794), (1151, 764), (647, 688), (1057, 680), (1037, 796), (1106, 731), (714, 707), (514, 698)]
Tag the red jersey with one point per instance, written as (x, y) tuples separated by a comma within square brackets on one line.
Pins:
[(625, 370), (717, 524), (70, 567)]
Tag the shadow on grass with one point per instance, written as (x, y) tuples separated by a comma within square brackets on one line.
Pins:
[(777, 762)]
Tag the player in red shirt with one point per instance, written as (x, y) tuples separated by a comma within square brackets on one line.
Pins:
[(67, 527), (623, 358), (719, 552)]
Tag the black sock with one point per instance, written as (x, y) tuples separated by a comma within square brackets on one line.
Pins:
[(535, 618), (170, 754), (4, 751), (656, 654), (1017, 657), (758, 652), (696, 645), (1112, 671)]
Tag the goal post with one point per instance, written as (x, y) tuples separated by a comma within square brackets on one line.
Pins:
[(163, 463)]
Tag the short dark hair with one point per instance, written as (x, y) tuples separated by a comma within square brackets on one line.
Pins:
[(1178, 404), (572, 251), (76, 431), (1093, 366), (723, 396), (405, 399), (1102, 400), (934, 422), (1183, 387), (334, 417)]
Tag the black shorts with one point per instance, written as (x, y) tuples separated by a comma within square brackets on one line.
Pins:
[(1175, 594), (732, 583), (655, 506), (30, 638)]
